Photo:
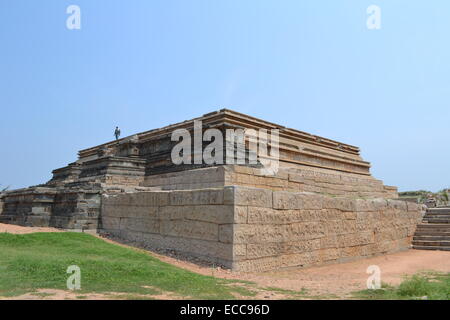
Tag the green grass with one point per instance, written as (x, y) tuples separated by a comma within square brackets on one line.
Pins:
[(40, 260), (433, 286)]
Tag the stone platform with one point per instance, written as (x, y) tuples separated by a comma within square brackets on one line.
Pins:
[(321, 206), (255, 229)]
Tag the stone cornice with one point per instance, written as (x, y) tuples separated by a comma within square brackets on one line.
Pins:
[(226, 117)]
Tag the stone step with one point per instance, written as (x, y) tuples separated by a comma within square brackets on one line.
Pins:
[(430, 237), (417, 247), (431, 243), (439, 210), (434, 224), (437, 220), (436, 217), (434, 227), (442, 213), (432, 233)]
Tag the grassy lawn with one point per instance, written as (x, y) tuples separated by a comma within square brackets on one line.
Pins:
[(432, 285), (40, 260)]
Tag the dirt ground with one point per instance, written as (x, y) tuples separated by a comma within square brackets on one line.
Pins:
[(56, 294), (337, 280), (9, 228)]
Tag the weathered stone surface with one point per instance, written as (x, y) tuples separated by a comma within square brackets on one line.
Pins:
[(287, 200), (140, 225), (174, 212), (295, 177), (190, 229), (240, 214), (289, 229), (398, 204), (226, 233), (255, 251), (239, 252), (212, 213), (252, 197), (208, 196), (260, 215), (340, 203), (220, 253)]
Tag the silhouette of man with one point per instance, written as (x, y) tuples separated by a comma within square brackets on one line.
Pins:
[(117, 133)]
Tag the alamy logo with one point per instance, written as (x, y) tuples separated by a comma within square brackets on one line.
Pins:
[(73, 22), (374, 18), (374, 281), (74, 280), (262, 146)]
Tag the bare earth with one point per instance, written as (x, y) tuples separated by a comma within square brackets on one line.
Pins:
[(9, 228), (56, 294), (337, 280)]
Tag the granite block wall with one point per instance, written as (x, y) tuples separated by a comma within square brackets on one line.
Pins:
[(293, 178), (50, 207), (257, 229), (185, 221), (286, 229)]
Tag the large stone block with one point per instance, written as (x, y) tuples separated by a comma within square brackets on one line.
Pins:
[(111, 223), (275, 249), (226, 233), (196, 197), (131, 211), (398, 204), (141, 225), (37, 221), (326, 255), (174, 212), (220, 253), (379, 204), (330, 241), (355, 239), (242, 196), (190, 229), (240, 214), (340, 203), (282, 261), (239, 252), (288, 200), (155, 198), (312, 201), (111, 210), (259, 215), (211, 213), (260, 234), (295, 177)]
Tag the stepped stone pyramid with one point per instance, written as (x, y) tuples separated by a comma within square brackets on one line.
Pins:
[(321, 206)]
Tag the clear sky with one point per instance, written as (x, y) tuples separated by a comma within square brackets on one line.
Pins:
[(309, 65)]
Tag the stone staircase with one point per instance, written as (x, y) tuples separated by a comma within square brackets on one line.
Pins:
[(434, 231)]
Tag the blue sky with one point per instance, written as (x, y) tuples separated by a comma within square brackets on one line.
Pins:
[(310, 65)]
